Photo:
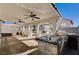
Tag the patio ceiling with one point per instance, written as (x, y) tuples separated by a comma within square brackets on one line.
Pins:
[(8, 11)]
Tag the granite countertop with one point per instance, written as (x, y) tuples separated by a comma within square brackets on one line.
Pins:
[(51, 39)]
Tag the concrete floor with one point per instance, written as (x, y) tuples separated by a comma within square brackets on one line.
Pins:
[(11, 46)]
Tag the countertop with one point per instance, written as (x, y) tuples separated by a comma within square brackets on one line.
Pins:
[(51, 39)]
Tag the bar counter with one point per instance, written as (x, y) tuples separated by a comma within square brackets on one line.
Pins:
[(50, 45)]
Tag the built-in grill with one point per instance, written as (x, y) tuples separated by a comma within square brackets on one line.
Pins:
[(50, 44)]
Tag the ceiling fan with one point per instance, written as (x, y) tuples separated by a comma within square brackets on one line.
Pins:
[(2, 21), (19, 20), (32, 15)]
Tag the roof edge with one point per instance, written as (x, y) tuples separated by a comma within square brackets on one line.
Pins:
[(56, 9)]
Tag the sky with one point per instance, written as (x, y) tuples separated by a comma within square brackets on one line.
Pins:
[(69, 11)]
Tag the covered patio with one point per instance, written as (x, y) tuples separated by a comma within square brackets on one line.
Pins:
[(41, 22)]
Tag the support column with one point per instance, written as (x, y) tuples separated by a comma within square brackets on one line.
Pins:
[(29, 32), (37, 31), (23, 31), (26, 31)]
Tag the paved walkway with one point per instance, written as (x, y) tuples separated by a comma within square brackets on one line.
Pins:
[(12, 46)]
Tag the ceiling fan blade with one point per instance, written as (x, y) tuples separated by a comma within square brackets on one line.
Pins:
[(37, 17), (33, 15), (1, 20), (21, 21)]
